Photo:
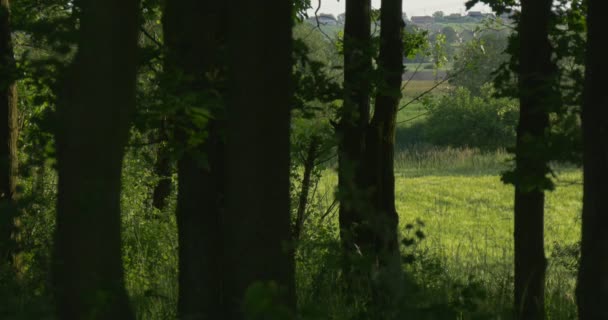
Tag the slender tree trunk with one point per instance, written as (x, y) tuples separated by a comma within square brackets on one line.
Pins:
[(162, 169), (536, 75), (592, 290), (355, 231), (257, 239), (379, 157), (94, 119), (8, 138), (309, 165), (194, 35)]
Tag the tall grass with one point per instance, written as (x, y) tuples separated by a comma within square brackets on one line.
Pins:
[(419, 160)]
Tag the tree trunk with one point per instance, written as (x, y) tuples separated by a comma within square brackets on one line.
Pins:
[(257, 238), (94, 115), (194, 35), (536, 75), (355, 231), (309, 165), (379, 158), (592, 287), (8, 138), (199, 208)]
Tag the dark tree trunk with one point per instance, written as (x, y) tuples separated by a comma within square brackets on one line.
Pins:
[(194, 35), (536, 74), (379, 157), (94, 118), (309, 166), (355, 231), (162, 169), (257, 223), (8, 138), (592, 290), (199, 205)]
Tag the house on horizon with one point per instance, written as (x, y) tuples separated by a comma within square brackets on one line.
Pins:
[(453, 16), (475, 14), (506, 17), (341, 18), (324, 19), (423, 19)]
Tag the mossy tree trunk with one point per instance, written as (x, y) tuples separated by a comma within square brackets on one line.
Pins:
[(8, 139), (94, 112), (592, 290)]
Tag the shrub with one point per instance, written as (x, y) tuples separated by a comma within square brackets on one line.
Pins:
[(461, 119)]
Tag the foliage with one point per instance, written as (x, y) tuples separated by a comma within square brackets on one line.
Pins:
[(478, 60), (461, 119)]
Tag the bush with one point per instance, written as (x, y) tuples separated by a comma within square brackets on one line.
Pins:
[(461, 119)]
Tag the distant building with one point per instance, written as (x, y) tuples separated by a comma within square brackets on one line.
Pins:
[(506, 17), (324, 19), (454, 16), (475, 14), (423, 19), (341, 18)]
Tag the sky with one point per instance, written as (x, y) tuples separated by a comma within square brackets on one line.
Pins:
[(411, 7)]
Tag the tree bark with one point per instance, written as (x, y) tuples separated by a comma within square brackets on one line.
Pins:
[(94, 115), (536, 74), (592, 288), (355, 232), (8, 139), (194, 34), (380, 158), (257, 224)]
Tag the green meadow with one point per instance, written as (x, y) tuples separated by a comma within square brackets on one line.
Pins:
[(456, 198)]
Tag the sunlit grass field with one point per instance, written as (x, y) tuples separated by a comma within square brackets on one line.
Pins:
[(467, 216)]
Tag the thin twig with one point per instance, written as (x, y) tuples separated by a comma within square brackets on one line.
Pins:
[(414, 118), (330, 209), (151, 37)]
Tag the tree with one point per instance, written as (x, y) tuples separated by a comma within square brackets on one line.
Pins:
[(93, 114), (353, 121), (8, 138), (379, 157), (256, 224), (451, 36), (592, 288), (438, 15), (194, 36), (478, 61), (537, 98)]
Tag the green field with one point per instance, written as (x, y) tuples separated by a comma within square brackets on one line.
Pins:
[(467, 214)]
